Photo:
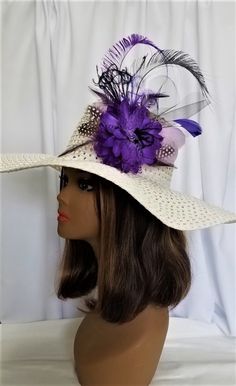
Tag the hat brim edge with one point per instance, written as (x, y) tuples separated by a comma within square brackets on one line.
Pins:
[(213, 215)]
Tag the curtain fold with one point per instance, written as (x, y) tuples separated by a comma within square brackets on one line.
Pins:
[(50, 52)]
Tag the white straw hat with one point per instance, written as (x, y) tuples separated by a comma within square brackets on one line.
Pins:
[(151, 187), (148, 181)]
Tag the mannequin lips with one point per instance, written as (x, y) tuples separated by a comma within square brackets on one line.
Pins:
[(62, 217)]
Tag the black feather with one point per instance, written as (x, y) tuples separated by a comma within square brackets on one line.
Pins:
[(172, 57)]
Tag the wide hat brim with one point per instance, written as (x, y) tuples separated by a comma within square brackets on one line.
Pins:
[(151, 189)]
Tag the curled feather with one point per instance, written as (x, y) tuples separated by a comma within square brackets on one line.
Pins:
[(117, 53), (172, 57), (116, 82)]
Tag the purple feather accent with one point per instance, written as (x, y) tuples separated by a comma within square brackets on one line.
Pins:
[(117, 53), (191, 126)]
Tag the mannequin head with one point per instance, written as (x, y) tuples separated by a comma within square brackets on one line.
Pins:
[(138, 260)]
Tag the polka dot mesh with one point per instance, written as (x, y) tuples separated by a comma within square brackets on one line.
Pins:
[(165, 152), (151, 187), (86, 127)]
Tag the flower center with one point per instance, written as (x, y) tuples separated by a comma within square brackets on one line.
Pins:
[(142, 137)]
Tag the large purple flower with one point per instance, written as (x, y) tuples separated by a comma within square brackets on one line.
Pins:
[(127, 138)]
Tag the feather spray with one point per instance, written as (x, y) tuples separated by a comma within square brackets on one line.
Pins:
[(129, 134)]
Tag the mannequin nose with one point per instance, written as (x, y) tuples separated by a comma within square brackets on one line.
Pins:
[(60, 198)]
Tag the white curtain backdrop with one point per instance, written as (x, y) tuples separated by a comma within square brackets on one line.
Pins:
[(49, 53)]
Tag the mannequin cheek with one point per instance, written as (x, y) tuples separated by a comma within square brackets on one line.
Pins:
[(87, 227)]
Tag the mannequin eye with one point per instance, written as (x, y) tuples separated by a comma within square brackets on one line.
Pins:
[(84, 184)]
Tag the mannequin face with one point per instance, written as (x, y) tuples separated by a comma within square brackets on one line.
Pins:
[(77, 200)]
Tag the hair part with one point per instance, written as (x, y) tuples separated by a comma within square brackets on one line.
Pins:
[(141, 261)]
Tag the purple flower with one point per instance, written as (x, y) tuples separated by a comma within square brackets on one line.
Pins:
[(127, 138)]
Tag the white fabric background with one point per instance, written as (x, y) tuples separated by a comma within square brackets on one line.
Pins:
[(49, 53)]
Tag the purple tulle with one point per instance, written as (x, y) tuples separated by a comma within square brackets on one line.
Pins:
[(127, 138)]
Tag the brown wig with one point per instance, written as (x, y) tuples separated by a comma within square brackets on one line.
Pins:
[(141, 262)]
